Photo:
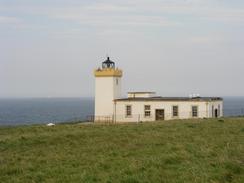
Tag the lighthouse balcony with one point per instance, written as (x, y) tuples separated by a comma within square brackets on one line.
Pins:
[(108, 72)]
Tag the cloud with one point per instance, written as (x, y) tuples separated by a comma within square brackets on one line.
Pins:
[(153, 13), (116, 20), (161, 12), (9, 20), (123, 16)]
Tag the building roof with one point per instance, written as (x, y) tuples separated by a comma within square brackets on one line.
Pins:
[(152, 99)]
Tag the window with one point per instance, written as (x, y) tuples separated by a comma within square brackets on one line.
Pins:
[(194, 111), (147, 110), (175, 111), (117, 81), (128, 111)]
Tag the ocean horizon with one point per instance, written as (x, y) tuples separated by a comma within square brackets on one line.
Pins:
[(24, 111)]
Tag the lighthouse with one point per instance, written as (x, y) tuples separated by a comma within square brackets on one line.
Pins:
[(140, 106), (107, 89)]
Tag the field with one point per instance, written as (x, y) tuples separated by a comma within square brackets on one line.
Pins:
[(210, 150)]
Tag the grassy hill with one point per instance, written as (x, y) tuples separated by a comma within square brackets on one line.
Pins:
[(171, 151)]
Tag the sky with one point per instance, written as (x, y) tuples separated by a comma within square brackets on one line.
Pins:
[(49, 48)]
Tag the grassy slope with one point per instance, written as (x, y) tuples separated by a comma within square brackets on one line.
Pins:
[(173, 151)]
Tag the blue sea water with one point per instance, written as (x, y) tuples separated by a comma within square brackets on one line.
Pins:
[(45, 110), (233, 106)]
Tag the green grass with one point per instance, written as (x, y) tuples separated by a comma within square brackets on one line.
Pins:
[(171, 151)]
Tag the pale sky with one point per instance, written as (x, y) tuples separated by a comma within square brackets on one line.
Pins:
[(49, 48)]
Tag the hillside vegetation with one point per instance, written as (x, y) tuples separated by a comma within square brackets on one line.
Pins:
[(198, 151)]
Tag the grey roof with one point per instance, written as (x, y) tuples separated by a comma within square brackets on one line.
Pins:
[(198, 99)]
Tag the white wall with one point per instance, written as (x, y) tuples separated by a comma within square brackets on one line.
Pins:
[(215, 105), (106, 90), (141, 95), (184, 107)]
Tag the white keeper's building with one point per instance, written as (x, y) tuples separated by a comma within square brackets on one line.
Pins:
[(145, 106)]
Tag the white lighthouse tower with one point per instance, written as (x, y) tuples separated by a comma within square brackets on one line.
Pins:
[(108, 88)]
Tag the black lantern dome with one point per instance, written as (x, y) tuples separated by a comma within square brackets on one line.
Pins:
[(108, 64)]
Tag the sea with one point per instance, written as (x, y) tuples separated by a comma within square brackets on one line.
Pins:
[(25, 111)]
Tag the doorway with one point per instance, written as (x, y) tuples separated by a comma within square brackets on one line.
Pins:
[(159, 114), (216, 113)]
